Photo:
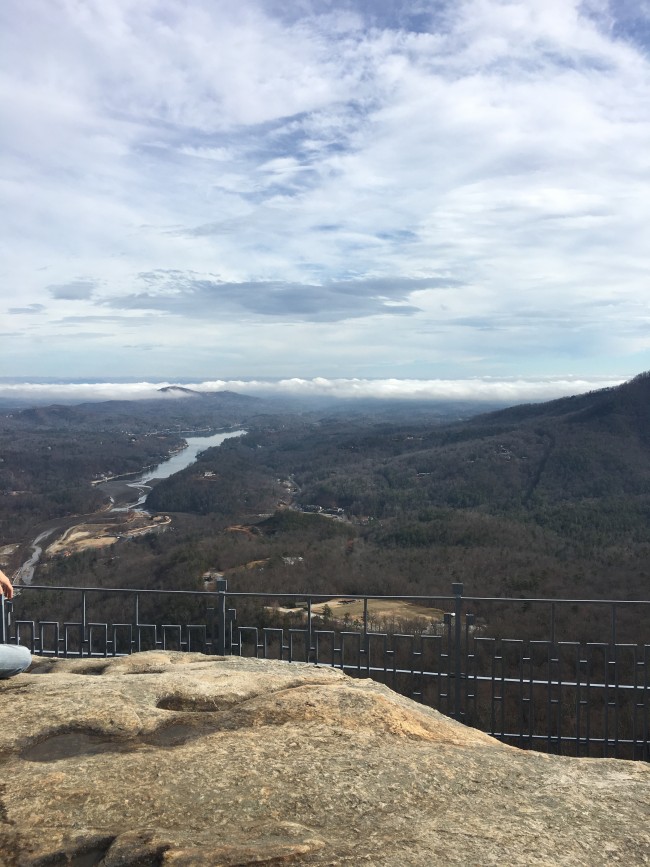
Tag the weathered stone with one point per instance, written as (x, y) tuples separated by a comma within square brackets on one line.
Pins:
[(193, 761)]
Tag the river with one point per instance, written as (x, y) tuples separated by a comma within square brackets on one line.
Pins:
[(26, 572), (174, 464)]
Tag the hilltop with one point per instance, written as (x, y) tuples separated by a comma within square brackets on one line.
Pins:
[(625, 404)]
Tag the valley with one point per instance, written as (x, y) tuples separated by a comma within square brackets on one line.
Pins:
[(546, 499)]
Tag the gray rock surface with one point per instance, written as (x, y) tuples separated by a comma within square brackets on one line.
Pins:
[(193, 761)]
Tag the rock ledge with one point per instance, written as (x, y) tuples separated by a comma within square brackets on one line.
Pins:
[(182, 759)]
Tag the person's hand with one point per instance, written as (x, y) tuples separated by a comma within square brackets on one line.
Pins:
[(6, 588)]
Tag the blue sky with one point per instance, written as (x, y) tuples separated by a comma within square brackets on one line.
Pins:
[(326, 192)]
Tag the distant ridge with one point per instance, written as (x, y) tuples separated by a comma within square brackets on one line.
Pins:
[(188, 407), (180, 390), (215, 396), (628, 403)]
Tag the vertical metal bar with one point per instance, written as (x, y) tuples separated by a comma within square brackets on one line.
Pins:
[(366, 639), (521, 694), (493, 663), (136, 615), (502, 722), (492, 688), (209, 628), (553, 623), (549, 697), (475, 681), (412, 654), (4, 612), (231, 617), (447, 672), (643, 730), (531, 694), (83, 624), (635, 695), (589, 655), (606, 706), (222, 586), (617, 698), (646, 702), (309, 649), (33, 641), (458, 668), (578, 677), (558, 715), (469, 620)]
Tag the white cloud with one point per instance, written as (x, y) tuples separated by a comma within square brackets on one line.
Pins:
[(498, 144), (509, 391)]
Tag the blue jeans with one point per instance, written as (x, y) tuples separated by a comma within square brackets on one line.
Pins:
[(13, 659)]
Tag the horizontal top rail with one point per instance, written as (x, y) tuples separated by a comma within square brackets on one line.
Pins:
[(554, 601), (333, 595)]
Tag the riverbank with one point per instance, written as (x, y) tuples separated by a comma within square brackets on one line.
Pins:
[(123, 493), (126, 494)]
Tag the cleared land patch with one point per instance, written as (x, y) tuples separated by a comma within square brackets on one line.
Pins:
[(102, 534), (378, 609)]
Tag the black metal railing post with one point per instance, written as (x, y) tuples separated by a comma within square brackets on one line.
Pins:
[(210, 628), (309, 650), (458, 665), (5, 619), (366, 637), (222, 586), (84, 625)]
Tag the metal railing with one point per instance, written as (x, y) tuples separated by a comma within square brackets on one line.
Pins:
[(574, 678)]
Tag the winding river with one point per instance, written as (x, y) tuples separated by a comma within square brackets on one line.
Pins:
[(25, 574), (141, 486), (174, 464)]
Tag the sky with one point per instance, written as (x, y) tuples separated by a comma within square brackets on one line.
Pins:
[(370, 196)]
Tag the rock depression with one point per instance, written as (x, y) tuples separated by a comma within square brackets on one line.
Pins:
[(194, 761)]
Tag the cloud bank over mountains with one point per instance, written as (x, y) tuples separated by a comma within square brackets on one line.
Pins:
[(511, 391), (400, 189)]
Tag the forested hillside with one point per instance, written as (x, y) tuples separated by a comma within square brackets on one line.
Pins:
[(547, 499), (50, 455), (552, 498), (48, 474)]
